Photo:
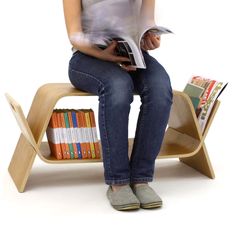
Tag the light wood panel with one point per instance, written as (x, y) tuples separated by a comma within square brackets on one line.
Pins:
[(183, 138)]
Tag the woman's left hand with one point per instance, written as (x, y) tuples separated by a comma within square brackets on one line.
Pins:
[(150, 41)]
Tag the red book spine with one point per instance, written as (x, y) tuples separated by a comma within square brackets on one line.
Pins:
[(53, 137)]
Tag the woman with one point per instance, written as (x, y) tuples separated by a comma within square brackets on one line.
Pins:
[(102, 72)]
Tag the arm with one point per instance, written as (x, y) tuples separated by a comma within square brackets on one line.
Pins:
[(147, 13), (72, 13)]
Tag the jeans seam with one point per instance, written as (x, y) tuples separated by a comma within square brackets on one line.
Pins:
[(136, 161), (106, 137), (117, 181), (108, 160), (87, 74), (143, 179)]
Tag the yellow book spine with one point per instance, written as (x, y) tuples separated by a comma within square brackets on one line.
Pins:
[(90, 134)]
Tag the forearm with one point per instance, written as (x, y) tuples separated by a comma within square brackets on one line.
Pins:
[(79, 41)]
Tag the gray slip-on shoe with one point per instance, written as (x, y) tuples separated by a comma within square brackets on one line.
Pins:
[(147, 196), (123, 199)]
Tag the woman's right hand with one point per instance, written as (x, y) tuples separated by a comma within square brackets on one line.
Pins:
[(109, 54), (80, 42)]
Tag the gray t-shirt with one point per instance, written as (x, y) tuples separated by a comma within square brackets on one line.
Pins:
[(87, 3), (99, 16)]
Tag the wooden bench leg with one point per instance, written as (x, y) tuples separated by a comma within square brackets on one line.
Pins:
[(33, 130), (21, 163), (200, 162)]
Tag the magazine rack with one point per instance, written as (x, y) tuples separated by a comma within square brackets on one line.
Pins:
[(183, 138)]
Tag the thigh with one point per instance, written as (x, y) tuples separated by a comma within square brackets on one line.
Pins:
[(153, 79), (94, 75)]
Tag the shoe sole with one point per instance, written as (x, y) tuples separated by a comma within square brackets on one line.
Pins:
[(127, 207), (151, 205)]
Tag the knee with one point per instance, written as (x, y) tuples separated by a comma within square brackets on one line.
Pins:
[(159, 92), (119, 91)]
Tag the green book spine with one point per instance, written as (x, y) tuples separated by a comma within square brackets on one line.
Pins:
[(72, 155)]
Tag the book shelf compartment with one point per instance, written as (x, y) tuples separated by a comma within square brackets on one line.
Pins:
[(47, 157), (72, 135), (175, 144), (183, 138)]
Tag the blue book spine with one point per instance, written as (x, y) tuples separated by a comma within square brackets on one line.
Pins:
[(76, 126)]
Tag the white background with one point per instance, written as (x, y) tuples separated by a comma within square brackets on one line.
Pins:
[(70, 199)]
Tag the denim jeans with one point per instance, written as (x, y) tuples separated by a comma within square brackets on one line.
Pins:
[(114, 87)]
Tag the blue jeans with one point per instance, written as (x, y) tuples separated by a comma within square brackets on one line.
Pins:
[(114, 87)]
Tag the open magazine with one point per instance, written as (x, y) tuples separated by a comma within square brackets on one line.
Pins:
[(203, 93), (130, 47), (118, 20)]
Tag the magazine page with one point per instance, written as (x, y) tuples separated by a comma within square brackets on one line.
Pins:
[(127, 47), (209, 103)]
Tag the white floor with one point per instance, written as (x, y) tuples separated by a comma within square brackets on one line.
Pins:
[(66, 199), (71, 199)]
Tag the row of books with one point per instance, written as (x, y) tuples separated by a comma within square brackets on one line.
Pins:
[(203, 93), (72, 134)]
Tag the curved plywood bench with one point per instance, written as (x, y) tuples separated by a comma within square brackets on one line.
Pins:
[(183, 138)]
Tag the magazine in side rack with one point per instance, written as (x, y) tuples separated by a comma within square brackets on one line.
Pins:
[(204, 92)]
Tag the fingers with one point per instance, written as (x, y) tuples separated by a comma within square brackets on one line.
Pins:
[(127, 67), (111, 49), (155, 41), (151, 41), (112, 46), (119, 58)]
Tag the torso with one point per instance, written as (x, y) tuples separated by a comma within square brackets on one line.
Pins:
[(87, 3), (89, 19)]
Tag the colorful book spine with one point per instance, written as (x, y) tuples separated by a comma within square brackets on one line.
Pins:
[(68, 133), (83, 138), (65, 137), (78, 138), (94, 134), (72, 134), (52, 133), (86, 135), (89, 131), (65, 153)]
